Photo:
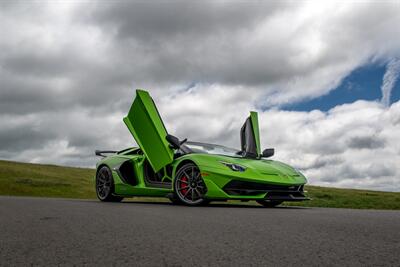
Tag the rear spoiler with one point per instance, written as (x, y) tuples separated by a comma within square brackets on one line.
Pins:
[(101, 152)]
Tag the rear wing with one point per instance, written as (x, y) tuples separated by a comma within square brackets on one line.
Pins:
[(101, 153)]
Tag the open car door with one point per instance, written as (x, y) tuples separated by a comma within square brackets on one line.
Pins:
[(146, 126), (250, 137)]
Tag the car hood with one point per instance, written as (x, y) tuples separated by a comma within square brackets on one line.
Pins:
[(267, 170), (268, 166)]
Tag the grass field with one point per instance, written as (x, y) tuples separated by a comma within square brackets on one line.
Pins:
[(25, 179)]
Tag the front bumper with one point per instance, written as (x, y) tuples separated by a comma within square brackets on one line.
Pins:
[(248, 185), (237, 188)]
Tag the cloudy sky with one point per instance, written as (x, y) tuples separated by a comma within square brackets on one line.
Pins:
[(323, 77)]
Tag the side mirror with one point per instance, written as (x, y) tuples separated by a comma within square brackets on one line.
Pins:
[(173, 141), (269, 152)]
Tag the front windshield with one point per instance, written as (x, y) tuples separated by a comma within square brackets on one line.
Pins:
[(197, 147)]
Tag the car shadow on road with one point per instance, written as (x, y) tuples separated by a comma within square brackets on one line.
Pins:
[(212, 205)]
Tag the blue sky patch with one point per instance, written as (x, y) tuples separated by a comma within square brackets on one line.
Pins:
[(363, 83)]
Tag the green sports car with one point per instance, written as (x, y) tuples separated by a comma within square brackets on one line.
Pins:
[(193, 173)]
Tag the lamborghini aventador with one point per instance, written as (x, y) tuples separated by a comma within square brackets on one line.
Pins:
[(193, 173)]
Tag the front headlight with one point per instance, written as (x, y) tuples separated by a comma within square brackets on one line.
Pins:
[(234, 167)]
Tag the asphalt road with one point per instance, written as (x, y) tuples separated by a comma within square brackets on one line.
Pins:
[(51, 232)]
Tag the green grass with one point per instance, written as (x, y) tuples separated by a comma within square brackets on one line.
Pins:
[(350, 198), (25, 179)]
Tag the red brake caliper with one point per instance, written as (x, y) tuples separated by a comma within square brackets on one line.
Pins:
[(183, 185)]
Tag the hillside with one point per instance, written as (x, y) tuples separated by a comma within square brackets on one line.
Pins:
[(25, 179)]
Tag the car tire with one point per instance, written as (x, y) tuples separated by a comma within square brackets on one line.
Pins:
[(105, 186), (269, 203), (189, 187)]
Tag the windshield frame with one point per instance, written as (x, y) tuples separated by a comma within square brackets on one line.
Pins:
[(235, 153)]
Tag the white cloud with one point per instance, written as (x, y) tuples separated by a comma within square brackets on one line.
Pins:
[(352, 145), (389, 80)]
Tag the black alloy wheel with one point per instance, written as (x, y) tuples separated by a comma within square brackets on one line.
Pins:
[(189, 186), (105, 185)]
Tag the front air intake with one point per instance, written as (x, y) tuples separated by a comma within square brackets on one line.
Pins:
[(273, 191)]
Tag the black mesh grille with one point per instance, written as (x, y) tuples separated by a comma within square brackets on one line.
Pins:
[(251, 188)]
